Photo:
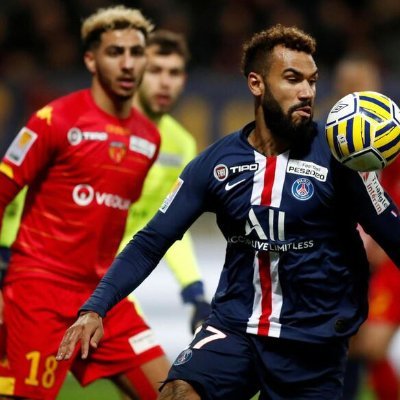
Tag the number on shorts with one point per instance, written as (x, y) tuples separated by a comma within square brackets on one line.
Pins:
[(217, 334), (48, 377)]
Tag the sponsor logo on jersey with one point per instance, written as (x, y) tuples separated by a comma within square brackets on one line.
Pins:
[(117, 130), (221, 172), (375, 191), (261, 245), (75, 136), (46, 114), (142, 146), (117, 151), (302, 189), (231, 185), (307, 168), (170, 197), (184, 357), (143, 341), (84, 195), (20, 146), (245, 167), (169, 160)]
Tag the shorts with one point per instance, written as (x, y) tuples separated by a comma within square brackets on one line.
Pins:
[(384, 294), (36, 315), (221, 364)]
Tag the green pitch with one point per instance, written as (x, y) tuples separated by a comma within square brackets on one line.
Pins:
[(104, 390)]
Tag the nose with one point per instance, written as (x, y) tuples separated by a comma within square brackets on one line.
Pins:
[(307, 91), (165, 79), (127, 61)]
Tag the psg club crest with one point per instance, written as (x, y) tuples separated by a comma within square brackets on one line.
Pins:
[(302, 189), (117, 151), (184, 357)]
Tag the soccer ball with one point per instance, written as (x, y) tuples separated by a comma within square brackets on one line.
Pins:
[(363, 131)]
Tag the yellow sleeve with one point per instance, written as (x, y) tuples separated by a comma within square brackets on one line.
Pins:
[(181, 260), (177, 148), (11, 219)]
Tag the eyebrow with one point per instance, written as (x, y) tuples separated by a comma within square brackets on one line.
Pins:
[(297, 72)]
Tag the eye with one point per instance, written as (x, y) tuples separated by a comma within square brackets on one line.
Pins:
[(137, 51)]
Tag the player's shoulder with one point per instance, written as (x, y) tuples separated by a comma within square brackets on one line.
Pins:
[(60, 111), (71, 101), (234, 140), (171, 129), (234, 143)]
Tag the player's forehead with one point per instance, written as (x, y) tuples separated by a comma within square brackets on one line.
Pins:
[(284, 59), (167, 61), (128, 37)]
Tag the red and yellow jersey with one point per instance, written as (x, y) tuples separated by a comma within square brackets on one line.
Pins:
[(84, 168)]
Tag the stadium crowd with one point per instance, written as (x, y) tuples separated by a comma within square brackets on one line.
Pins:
[(39, 44)]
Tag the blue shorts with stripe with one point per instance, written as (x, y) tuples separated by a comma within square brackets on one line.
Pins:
[(221, 364)]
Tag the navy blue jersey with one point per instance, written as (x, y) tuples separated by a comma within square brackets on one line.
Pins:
[(295, 264)]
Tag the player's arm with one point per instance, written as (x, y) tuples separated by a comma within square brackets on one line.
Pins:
[(8, 190), (142, 254), (181, 257), (376, 212)]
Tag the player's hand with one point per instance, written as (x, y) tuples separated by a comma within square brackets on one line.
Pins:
[(202, 310), (88, 329)]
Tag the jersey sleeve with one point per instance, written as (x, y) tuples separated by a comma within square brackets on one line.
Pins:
[(32, 149), (375, 211), (181, 257), (185, 203), (181, 260), (11, 219)]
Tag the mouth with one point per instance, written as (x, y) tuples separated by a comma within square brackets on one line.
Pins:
[(126, 83), (163, 99), (304, 111)]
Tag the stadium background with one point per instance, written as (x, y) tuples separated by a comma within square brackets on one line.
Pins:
[(40, 59)]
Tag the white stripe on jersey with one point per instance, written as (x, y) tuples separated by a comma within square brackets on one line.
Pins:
[(275, 325), (252, 324), (275, 294), (258, 180)]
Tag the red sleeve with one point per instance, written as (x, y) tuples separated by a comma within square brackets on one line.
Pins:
[(33, 147)]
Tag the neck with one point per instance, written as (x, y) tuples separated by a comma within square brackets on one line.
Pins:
[(155, 118), (116, 106), (263, 140)]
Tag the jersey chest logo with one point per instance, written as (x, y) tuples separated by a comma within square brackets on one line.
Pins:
[(302, 189), (117, 151)]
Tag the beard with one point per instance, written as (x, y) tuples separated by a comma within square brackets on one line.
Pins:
[(282, 126)]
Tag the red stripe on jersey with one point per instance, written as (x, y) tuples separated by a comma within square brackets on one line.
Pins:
[(269, 178), (266, 302), (264, 260)]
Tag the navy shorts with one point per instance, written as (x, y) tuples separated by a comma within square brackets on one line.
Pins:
[(222, 364)]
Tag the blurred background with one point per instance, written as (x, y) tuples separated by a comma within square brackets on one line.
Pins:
[(41, 59)]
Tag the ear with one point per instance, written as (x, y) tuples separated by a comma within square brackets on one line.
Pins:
[(90, 62), (255, 83)]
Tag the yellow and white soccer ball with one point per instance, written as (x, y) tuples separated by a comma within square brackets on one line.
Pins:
[(363, 131)]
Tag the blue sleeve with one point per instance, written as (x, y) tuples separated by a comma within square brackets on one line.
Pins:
[(142, 254), (375, 211)]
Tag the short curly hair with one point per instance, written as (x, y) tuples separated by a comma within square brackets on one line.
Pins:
[(112, 18), (258, 48)]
